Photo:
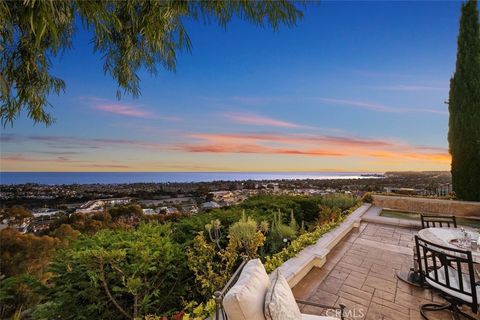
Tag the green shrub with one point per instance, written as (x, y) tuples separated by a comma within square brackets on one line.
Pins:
[(338, 200), (278, 232), (116, 273), (156, 269), (304, 208), (276, 260), (187, 228), (213, 265), (243, 230), (18, 293), (327, 214), (367, 198), (248, 236)]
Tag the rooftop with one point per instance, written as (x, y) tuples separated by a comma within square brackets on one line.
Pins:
[(360, 273)]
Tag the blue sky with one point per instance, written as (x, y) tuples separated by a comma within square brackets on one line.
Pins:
[(355, 86)]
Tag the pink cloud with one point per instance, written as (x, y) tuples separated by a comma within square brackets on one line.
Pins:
[(295, 139), (19, 158), (258, 120), (124, 110), (127, 110), (307, 145), (255, 148), (26, 158)]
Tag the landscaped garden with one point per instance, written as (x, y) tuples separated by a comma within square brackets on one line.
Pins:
[(99, 267)]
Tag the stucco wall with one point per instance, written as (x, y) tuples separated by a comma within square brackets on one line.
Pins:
[(424, 205)]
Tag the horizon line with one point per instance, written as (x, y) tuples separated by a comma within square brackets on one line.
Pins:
[(225, 171)]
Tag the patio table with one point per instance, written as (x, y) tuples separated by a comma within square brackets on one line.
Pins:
[(445, 237)]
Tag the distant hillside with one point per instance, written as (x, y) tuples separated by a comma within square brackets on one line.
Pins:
[(423, 174)]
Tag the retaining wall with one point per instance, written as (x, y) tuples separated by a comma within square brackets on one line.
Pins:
[(315, 255), (425, 205)]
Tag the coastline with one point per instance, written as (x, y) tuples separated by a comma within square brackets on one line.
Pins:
[(62, 178)]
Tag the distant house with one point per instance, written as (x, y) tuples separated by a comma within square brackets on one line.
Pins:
[(172, 210), (149, 211), (98, 204), (309, 192), (210, 205), (222, 195), (46, 212), (22, 228), (408, 191), (190, 209), (162, 210), (168, 202), (444, 189), (40, 225)]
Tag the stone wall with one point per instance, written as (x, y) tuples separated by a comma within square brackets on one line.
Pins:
[(425, 205)]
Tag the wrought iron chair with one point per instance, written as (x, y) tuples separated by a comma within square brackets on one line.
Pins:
[(428, 221), (438, 221), (449, 271), (220, 313)]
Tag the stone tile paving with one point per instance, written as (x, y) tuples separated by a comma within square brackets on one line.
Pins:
[(361, 273)]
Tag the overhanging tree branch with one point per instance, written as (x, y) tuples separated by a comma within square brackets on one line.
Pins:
[(130, 35)]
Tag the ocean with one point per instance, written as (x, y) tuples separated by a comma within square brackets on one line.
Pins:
[(59, 178)]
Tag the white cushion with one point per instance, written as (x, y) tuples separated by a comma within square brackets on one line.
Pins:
[(245, 300), (280, 303), (454, 283), (313, 317)]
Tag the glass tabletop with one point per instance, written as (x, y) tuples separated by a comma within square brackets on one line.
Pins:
[(455, 238)]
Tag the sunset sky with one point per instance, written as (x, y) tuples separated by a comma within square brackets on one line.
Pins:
[(354, 87)]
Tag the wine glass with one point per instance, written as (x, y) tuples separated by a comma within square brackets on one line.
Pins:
[(468, 239)]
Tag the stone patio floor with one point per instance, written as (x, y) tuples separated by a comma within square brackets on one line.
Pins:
[(361, 273)]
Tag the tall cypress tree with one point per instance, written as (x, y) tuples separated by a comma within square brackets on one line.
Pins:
[(464, 107)]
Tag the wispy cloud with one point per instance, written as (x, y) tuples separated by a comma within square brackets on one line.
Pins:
[(59, 161), (308, 145), (255, 148), (380, 74), (8, 137), (189, 167), (259, 100), (124, 110), (64, 143), (27, 158), (258, 120), (412, 88), (406, 154), (105, 166), (377, 107), (145, 128), (59, 153), (294, 139)]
